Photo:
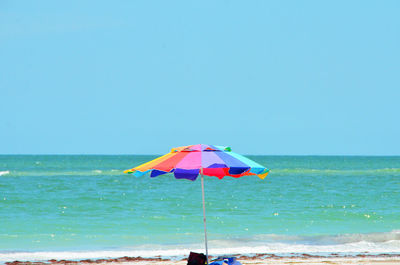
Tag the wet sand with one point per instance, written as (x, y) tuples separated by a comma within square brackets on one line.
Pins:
[(260, 259)]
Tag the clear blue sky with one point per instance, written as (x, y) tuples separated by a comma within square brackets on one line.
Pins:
[(140, 77)]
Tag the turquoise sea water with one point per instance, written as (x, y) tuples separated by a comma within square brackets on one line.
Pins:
[(84, 204)]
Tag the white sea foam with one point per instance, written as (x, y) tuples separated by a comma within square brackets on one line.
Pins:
[(217, 247), (40, 173), (373, 243), (2, 173), (330, 239)]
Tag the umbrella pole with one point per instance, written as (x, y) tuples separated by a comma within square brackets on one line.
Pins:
[(204, 212)]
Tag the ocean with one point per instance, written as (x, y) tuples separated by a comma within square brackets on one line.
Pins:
[(84, 206)]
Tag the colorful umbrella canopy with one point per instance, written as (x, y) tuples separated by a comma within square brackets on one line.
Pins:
[(187, 162)]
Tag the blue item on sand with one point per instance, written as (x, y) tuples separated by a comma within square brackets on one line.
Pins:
[(225, 260), (220, 262)]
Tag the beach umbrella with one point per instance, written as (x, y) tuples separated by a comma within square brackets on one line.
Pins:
[(188, 162)]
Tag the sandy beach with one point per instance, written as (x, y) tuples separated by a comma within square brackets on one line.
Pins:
[(261, 259)]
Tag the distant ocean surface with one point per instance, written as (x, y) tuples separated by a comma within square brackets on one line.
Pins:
[(83, 206)]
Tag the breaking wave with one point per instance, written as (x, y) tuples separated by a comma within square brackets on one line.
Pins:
[(37, 173), (331, 239), (336, 171), (373, 243), (2, 173)]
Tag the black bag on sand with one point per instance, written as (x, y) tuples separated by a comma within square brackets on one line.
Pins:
[(196, 259)]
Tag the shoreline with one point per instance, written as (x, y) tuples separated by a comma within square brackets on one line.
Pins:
[(262, 258)]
